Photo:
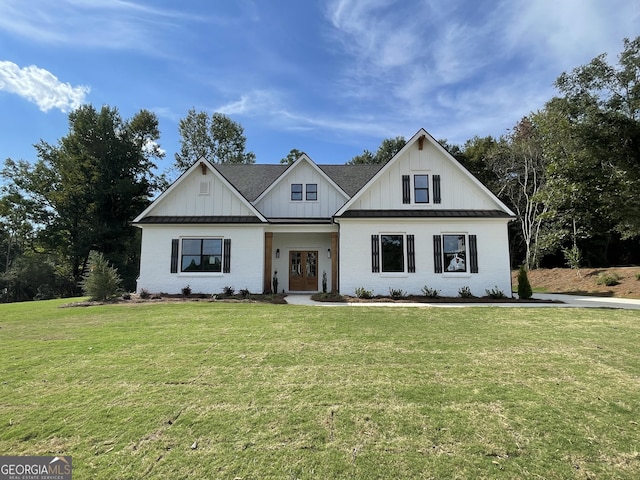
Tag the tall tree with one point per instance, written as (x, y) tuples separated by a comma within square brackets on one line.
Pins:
[(91, 184), (387, 149), (592, 140), (292, 156), (217, 138), (519, 166)]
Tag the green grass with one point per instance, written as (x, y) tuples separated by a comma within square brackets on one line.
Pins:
[(286, 392)]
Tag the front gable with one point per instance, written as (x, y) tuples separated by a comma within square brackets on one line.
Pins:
[(302, 191), (422, 178), (200, 193)]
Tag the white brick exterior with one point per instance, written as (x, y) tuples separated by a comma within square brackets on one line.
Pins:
[(256, 213), (493, 258)]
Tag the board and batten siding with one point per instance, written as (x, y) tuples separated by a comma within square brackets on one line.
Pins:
[(356, 256), (247, 259), (201, 195), (458, 191), (277, 202)]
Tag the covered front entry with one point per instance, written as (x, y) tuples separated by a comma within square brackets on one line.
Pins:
[(303, 260), (303, 271)]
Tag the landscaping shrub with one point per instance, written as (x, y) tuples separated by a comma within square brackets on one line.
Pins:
[(397, 293), (362, 292), (102, 282), (186, 291), (608, 279), (524, 287), (637, 276), (495, 293), (245, 292), (228, 291), (144, 294), (465, 292), (430, 292)]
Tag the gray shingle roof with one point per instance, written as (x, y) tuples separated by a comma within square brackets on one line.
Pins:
[(253, 179)]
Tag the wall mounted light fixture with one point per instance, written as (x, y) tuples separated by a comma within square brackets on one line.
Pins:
[(277, 253), (328, 253)]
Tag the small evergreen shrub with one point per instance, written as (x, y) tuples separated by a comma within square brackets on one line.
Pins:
[(245, 292), (228, 291), (397, 293), (144, 294), (573, 258), (525, 291), (362, 292), (430, 292), (608, 279), (465, 292), (103, 281), (495, 293), (186, 291)]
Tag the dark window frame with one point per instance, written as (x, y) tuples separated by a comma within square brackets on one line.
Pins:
[(455, 260), (201, 256), (295, 193), (418, 191), (313, 191)]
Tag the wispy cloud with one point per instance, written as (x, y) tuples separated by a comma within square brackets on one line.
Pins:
[(94, 23), (41, 87)]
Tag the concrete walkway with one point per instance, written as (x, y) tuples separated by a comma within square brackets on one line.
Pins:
[(568, 301)]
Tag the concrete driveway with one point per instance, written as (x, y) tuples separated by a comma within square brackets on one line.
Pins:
[(568, 301)]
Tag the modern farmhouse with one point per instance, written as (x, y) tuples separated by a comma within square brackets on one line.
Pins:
[(420, 220)]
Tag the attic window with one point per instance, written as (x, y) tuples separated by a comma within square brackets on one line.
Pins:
[(296, 192), (204, 188)]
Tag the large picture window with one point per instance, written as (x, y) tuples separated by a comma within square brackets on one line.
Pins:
[(454, 250), (201, 255)]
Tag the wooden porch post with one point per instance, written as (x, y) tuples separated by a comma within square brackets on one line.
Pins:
[(268, 247), (335, 253)]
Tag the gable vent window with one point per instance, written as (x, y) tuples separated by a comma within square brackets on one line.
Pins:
[(204, 188)]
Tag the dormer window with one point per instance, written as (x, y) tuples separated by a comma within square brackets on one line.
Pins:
[(296, 192), (309, 193), (312, 191)]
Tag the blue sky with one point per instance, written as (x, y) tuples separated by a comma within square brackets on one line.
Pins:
[(329, 77)]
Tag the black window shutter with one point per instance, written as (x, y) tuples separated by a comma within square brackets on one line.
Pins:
[(437, 253), (411, 254), (226, 263), (174, 255), (375, 254), (436, 189), (473, 254), (406, 189)]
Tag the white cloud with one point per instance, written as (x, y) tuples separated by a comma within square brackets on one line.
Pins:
[(41, 87)]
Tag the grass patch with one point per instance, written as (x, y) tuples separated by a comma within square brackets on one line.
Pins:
[(279, 391)]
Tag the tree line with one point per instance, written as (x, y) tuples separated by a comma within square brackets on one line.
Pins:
[(570, 171)]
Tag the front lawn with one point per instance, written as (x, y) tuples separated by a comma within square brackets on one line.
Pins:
[(257, 391)]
